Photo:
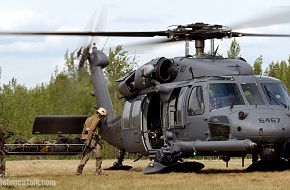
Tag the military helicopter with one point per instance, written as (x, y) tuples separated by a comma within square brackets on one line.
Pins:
[(186, 106)]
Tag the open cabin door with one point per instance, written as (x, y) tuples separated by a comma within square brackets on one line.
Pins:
[(141, 124), (152, 121)]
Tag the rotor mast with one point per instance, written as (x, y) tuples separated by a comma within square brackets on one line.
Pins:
[(199, 47), (186, 47), (212, 50)]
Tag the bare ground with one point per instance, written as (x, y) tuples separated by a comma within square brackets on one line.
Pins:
[(214, 176)]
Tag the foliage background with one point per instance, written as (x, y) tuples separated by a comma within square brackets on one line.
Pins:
[(67, 93)]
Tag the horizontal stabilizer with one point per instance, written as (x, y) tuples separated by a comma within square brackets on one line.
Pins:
[(58, 124)]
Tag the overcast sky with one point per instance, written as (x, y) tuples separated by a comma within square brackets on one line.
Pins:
[(32, 60)]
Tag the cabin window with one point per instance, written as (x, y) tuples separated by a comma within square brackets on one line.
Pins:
[(172, 108), (195, 102), (252, 94), (126, 115), (275, 94), (223, 95), (136, 118)]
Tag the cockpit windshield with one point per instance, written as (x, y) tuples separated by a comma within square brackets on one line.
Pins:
[(223, 95), (252, 94), (275, 94)]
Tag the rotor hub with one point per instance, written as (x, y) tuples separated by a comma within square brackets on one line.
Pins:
[(199, 31)]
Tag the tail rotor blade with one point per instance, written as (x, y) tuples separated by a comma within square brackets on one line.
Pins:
[(96, 25)]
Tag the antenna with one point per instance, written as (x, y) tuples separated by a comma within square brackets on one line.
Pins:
[(215, 52)]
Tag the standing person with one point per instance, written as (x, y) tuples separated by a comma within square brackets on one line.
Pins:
[(2, 153), (91, 137)]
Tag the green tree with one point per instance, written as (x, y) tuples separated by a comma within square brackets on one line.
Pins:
[(71, 89), (234, 50), (287, 82), (16, 109), (258, 66), (280, 70), (70, 66), (271, 69), (68, 92)]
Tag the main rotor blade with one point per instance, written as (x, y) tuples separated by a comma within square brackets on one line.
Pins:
[(240, 34), (143, 46), (113, 34), (280, 15), (152, 42)]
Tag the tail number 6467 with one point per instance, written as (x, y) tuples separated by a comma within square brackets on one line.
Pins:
[(269, 120)]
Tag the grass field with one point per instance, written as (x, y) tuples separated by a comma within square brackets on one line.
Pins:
[(214, 176)]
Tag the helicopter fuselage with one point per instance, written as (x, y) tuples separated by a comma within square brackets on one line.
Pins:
[(207, 113)]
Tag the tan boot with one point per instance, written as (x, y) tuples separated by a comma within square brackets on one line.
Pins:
[(80, 170), (99, 172)]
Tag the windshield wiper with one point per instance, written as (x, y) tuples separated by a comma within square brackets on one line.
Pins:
[(270, 95), (236, 95)]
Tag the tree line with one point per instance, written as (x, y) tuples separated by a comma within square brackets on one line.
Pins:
[(67, 93)]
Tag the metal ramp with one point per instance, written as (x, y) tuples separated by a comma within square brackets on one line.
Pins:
[(51, 124)]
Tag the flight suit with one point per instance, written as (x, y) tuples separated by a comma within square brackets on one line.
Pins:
[(2, 153), (91, 137)]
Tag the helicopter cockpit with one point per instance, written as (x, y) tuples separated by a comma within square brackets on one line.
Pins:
[(265, 91)]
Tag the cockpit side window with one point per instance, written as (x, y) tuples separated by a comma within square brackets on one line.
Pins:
[(223, 95), (275, 94), (252, 94), (195, 102)]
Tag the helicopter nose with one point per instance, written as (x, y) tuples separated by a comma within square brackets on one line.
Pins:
[(264, 125)]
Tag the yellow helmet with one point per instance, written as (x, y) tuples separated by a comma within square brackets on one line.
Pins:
[(102, 111)]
